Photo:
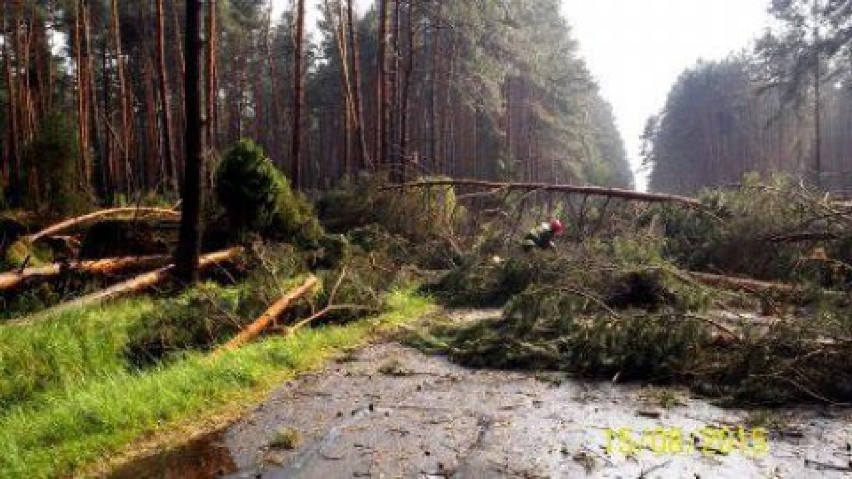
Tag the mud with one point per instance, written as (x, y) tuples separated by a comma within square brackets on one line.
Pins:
[(201, 458), (390, 411)]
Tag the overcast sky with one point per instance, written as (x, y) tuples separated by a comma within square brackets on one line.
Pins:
[(637, 48)]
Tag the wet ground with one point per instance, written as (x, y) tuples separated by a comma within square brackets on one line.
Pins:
[(390, 411)]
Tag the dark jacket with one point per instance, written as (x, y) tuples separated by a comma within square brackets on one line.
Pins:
[(541, 236)]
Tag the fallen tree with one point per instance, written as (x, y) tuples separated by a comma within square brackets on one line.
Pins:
[(104, 266), (620, 193), (136, 284), (136, 212), (744, 284), (254, 330)]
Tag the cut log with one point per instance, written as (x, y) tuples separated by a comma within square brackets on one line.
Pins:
[(266, 319), (135, 285), (140, 212), (105, 266), (620, 193)]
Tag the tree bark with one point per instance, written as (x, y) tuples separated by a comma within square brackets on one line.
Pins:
[(364, 161), (572, 189), (82, 91), (186, 255), (98, 155), (382, 100), (276, 310), (169, 164), (14, 193), (134, 285), (434, 140), (298, 96), (405, 99), (125, 135), (339, 28), (212, 113), (97, 215), (104, 266)]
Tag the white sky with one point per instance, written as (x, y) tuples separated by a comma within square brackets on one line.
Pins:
[(637, 48)]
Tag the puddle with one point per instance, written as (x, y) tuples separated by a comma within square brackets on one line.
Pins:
[(202, 458)]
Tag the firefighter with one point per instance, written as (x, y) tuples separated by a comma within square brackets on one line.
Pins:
[(542, 235)]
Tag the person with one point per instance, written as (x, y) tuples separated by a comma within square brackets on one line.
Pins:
[(542, 235)]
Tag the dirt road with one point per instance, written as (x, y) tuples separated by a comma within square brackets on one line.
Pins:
[(390, 411)]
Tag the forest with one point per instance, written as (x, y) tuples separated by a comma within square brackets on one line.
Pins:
[(456, 94), (238, 242), (780, 107)]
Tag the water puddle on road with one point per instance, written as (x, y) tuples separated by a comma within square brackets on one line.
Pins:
[(202, 458)]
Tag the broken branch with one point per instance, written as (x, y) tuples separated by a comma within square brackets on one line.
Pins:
[(136, 212), (276, 310)]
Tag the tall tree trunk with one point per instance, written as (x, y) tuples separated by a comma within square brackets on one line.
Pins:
[(82, 90), (186, 255), (169, 164), (97, 164), (815, 13), (406, 89), (14, 188), (298, 96), (109, 168), (393, 113), (818, 123), (364, 160), (153, 166), (279, 120), (49, 81), (434, 140), (180, 88), (382, 99), (339, 28), (125, 133), (212, 113)]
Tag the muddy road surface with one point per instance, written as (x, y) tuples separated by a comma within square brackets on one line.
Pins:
[(389, 411)]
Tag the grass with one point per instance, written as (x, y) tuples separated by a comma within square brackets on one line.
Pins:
[(286, 438), (65, 350), (95, 407)]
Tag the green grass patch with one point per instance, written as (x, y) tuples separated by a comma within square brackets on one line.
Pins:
[(83, 416), (61, 351)]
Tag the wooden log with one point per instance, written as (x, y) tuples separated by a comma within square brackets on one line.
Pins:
[(266, 319), (744, 284), (104, 266), (137, 212), (134, 285), (620, 193)]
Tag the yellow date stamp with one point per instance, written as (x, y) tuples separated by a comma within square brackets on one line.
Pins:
[(672, 441)]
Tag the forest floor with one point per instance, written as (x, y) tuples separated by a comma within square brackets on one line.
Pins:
[(390, 410)]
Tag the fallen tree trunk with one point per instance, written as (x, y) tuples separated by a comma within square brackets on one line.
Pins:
[(137, 212), (744, 284), (136, 284), (258, 326), (104, 266), (620, 193)]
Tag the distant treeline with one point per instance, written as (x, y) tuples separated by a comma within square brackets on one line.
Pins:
[(786, 107)]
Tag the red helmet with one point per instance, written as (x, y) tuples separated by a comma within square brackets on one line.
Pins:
[(556, 226)]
